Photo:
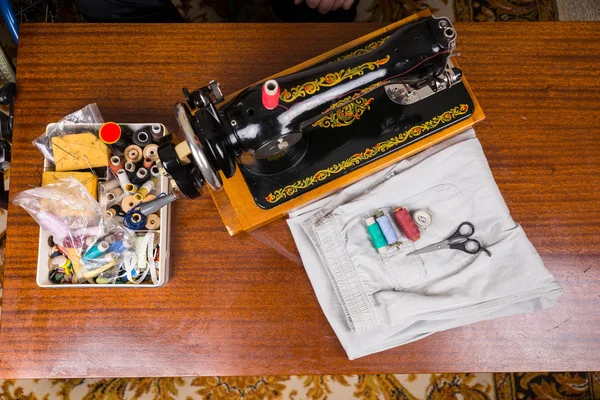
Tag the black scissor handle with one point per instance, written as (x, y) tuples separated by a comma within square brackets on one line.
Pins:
[(470, 246), (464, 230)]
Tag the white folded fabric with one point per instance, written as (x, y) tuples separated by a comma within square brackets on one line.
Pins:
[(374, 301)]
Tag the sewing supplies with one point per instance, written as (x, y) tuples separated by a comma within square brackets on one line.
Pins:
[(133, 153), (142, 138), (131, 188), (376, 234), (148, 162), (113, 211), (157, 132), (109, 185), (95, 272), (135, 220), (406, 224), (120, 246), (144, 190), (93, 253), (270, 94), (459, 240), (153, 222), (128, 203), (96, 250), (151, 151), (422, 218), (153, 206), (114, 194), (385, 224), (123, 179), (140, 176), (130, 168), (155, 171), (116, 163), (112, 134)]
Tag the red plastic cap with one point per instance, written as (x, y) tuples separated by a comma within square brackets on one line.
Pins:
[(110, 133)]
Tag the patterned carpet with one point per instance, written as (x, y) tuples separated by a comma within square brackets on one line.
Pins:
[(367, 387), (477, 386), (383, 10)]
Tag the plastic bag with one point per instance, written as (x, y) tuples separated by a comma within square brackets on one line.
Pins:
[(89, 245), (89, 114)]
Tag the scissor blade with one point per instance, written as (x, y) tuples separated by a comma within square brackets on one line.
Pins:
[(432, 247)]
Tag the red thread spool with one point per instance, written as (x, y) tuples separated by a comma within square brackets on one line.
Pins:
[(406, 224), (110, 133), (270, 94)]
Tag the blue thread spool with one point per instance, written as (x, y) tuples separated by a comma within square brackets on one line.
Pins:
[(96, 250), (385, 224), (120, 246)]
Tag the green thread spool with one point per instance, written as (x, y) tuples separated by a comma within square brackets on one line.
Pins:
[(376, 235)]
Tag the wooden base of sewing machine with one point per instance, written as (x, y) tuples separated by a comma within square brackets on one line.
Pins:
[(235, 202)]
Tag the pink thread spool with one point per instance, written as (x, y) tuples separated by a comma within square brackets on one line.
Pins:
[(270, 94), (406, 224)]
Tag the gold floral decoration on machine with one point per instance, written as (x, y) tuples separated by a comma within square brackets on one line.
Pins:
[(363, 50), (350, 109), (330, 79), (369, 153)]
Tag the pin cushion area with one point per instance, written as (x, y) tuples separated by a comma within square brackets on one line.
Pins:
[(104, 221)]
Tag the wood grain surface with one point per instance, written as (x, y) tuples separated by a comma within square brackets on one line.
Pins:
[(244, 305)]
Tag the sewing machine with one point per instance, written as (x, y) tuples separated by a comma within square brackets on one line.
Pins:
[(315, 128)]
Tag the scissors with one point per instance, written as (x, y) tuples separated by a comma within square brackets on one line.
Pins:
[(459, 240)]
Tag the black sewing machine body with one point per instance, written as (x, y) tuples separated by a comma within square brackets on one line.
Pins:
[(331, 118)]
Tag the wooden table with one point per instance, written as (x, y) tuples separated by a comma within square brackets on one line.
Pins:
[(244, 305)]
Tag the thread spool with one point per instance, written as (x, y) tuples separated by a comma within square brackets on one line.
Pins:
[(148, 198), (110, 184), (144, 190), (148, 163), (135, 220), (270, 94), (142, 138), (376, 235), (96, 250), (114, 194), (157, 131), (133, 153), (116, 163), (131, 188), (128, 203), (155, 171), (114, 210), (110, 239), (387, 229), (406, 224), (112, 134), (151, 151), (153, 222), (123, 178), (141, 176), (120, 246)]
